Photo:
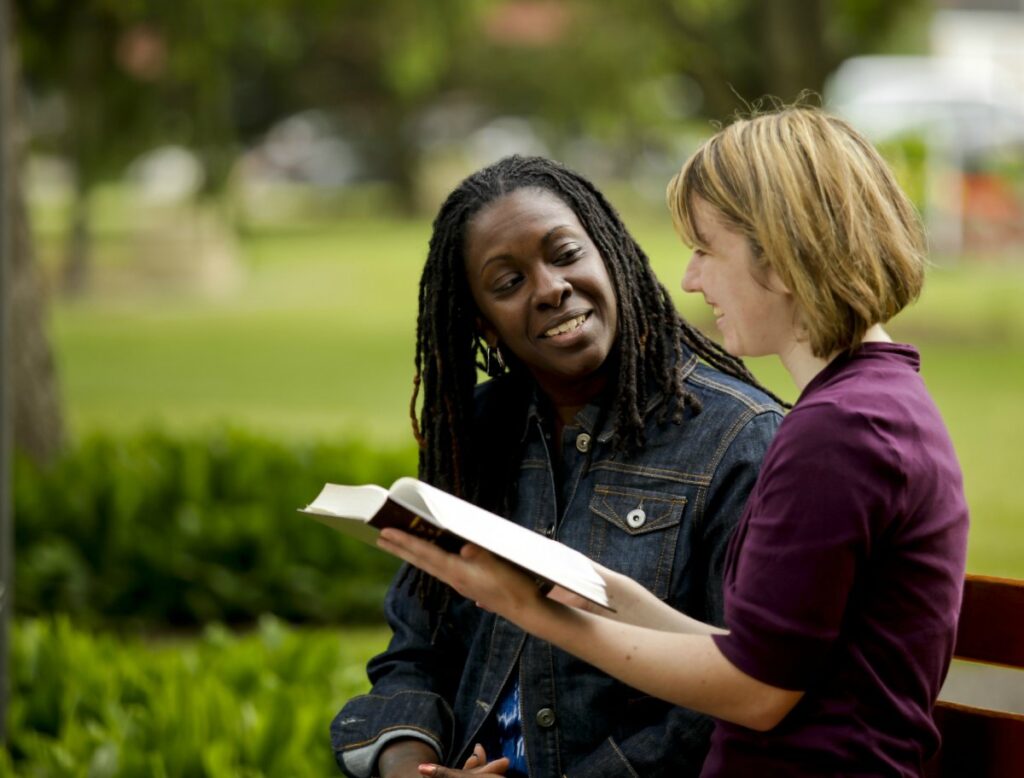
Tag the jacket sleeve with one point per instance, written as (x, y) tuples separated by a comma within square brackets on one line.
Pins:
[(414, 682), (669, 740)]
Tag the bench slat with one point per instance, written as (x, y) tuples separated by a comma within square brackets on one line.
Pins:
[(991, 627), (978, 743)]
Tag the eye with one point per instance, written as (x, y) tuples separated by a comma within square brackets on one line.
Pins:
[(506, 283), (568, 254)]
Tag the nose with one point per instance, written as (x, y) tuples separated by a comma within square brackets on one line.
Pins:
[(552, 288), (691, 276)]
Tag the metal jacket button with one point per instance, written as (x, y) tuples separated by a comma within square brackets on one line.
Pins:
[(636, 518), (546, 717), (583, 443)]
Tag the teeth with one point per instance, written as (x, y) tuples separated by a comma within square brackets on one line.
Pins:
[(566, 326), (716, 310)]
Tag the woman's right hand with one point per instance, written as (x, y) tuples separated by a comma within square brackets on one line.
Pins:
[(476, 764), (633, 604), (488, 580), (415, 759)]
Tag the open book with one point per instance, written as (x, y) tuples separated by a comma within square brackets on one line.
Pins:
[(423, 510)]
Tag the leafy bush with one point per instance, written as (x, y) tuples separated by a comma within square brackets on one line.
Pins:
[(155, 530), (259, 705)]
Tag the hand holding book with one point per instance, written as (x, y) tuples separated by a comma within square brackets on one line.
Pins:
[(475, 573), (507, 590), (465, 546), (438, 517)]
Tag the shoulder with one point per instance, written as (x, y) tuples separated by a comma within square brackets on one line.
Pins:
[(733, 417), (835, 438), (873, 381), (720, 393), (873, 398)]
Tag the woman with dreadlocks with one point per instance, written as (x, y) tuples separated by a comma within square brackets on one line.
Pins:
[(609, 424), (843, 579)]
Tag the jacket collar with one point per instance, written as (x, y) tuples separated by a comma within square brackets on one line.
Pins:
[(591, 415)]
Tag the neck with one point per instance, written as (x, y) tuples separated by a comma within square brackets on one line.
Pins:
[(802, 365)]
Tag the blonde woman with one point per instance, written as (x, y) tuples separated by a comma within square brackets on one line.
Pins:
[(843, 579)]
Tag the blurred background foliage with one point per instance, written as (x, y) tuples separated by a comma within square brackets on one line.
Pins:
[(220, 211)]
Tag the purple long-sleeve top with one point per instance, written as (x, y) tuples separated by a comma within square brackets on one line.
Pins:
[(844, 577)]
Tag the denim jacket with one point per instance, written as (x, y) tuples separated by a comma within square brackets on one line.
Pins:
[(662, 517)]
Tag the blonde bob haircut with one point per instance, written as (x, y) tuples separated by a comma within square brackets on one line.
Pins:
[(821, 208)]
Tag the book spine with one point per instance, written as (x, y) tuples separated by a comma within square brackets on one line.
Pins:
[(394, 515)]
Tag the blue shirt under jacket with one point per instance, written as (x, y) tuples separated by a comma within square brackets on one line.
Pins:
[(662, 516)]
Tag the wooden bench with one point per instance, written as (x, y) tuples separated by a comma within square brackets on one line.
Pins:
[(980, 742)]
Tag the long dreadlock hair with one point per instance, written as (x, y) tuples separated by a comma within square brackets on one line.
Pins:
[(650, 339)]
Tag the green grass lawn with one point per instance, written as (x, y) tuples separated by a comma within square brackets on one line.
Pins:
[(316, 343), (318, 340)]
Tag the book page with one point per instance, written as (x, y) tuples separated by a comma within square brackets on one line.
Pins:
[(353, 502), (406, 492)]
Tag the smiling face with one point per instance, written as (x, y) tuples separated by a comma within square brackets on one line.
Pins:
[(753, 309), (542, 290)]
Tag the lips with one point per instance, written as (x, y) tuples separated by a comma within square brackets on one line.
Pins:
[(565, 324)]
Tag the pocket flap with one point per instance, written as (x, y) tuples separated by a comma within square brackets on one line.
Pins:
[(637, 511)]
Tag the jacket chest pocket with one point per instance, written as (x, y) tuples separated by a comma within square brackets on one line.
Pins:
[(636, 532)]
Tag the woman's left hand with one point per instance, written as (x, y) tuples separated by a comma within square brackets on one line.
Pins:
[(494, 584)]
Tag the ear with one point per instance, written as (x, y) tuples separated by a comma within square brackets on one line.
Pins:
[(487, 331)]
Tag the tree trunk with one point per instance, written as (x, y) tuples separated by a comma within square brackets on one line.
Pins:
[(794, 46), (37, 418), (397, 159), (75, 272), (86, 120), (6, 519)]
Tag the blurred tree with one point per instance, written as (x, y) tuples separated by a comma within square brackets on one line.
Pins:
[(28, 386), (38, 426), (381, 64), (7, 82), (129, 76), (582, 70), (81, 52), (233, 68), (627, 73), (741, 50), (132, 74)]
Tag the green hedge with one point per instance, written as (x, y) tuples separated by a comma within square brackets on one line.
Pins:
[(219, 706), (157, 530)]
